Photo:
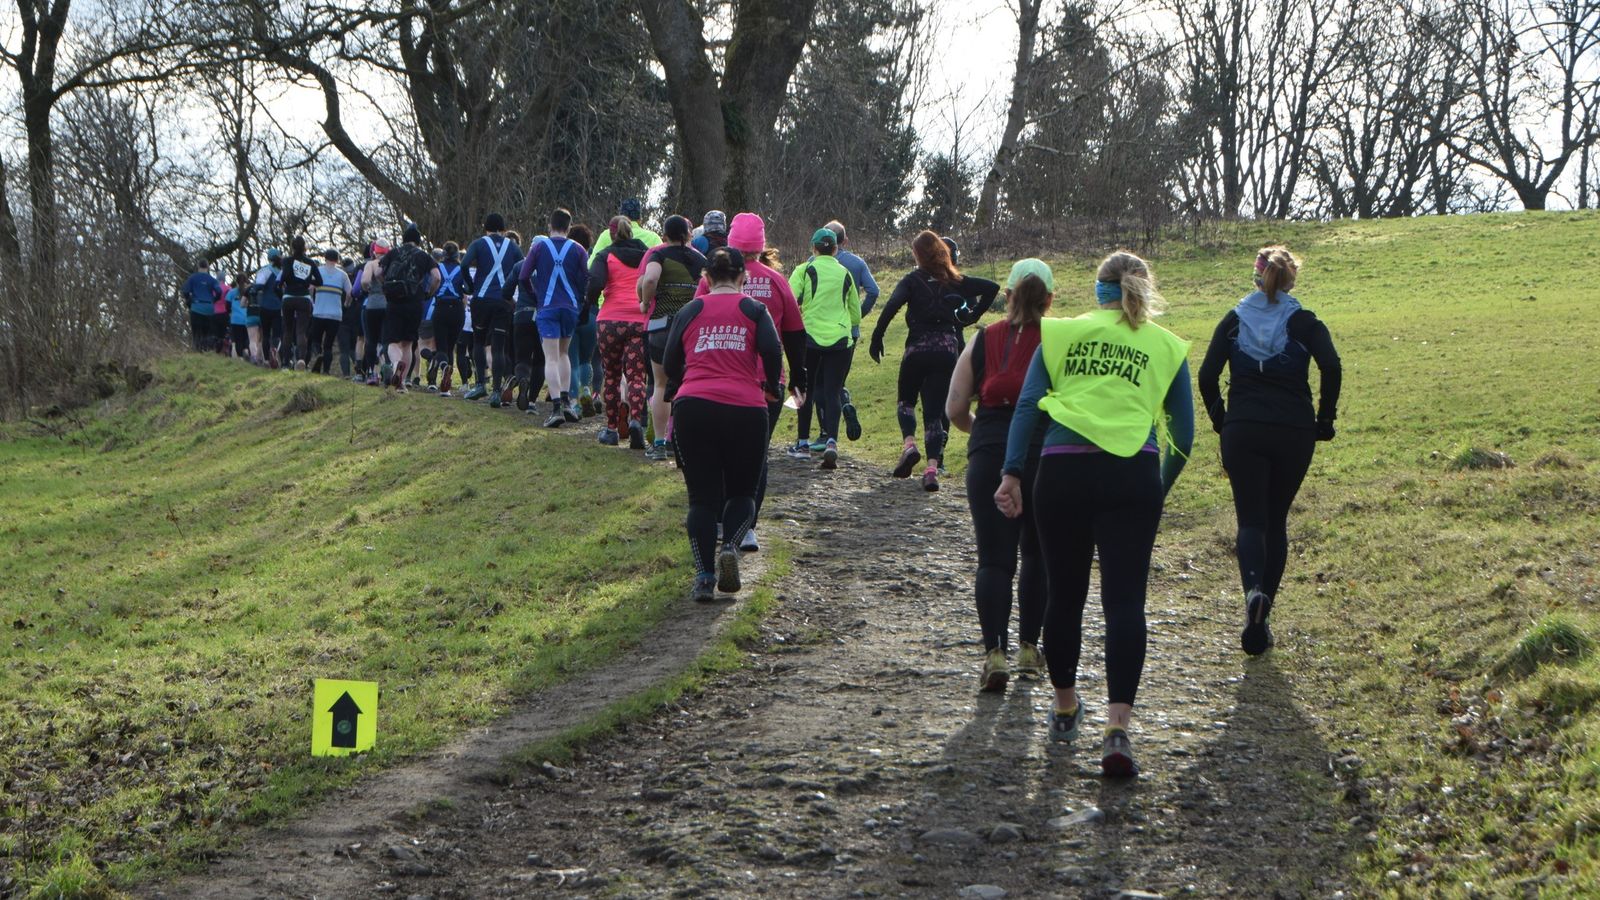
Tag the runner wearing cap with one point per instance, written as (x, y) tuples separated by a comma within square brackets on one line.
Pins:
[(633, 209), (831, 308), (868, 286)]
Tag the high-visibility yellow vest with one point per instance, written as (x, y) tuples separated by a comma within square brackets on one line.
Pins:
[(1108, 381)]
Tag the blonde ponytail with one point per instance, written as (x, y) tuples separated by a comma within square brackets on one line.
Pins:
[(1141, 301), (1276, 271)]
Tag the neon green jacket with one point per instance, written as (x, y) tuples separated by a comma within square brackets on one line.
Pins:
[(830, 304)]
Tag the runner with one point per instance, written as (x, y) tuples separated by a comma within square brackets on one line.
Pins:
[(991, 369), (300, 277), (868, 286), (268, 301), (723, 363), (938, 300), (493, 260), (448, 313), (245, 328), (220, 333), (201, 291), (410, 277), (1269, 428), (374, 309), (633, 210), (350, 331), (713, 232), (584, 351), (765, 283), (666, 284), (1104, 380), (831, 307), (550, 291), (327, 310), (624, 355)]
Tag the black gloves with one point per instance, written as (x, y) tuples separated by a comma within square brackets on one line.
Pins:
[(1325, 429), (876, 350)]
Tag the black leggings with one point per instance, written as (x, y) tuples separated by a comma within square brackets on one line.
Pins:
[(324, 334), (491, 331), (296, 330), (200, 330), (828, 367), (372, 322), (720, 449), (774, 411), (1265, 464), (271, 332), (448, 318), (1088, 501), (349, 330), (925, 374), (999, 540), (528, 351)]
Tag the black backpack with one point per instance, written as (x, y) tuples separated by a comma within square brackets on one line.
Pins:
[(405, 274)]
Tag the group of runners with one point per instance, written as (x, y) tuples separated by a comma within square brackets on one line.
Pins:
[(690, 344)]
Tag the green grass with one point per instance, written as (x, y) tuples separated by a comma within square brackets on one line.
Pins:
[(179, 571), (1419, 564)]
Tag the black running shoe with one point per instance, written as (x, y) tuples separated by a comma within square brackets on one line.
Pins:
[(635, 436), (556, 420), (524, 392), (1257, 637), (728, 570), (1116, 760), (852, 422), (908, 462), (704, 588)]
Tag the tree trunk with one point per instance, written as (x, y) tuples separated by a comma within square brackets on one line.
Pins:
[(680, 47), (1016, 113)]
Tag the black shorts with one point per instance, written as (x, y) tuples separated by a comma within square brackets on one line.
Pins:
[(490, 316), (657, 342), (401, 322)]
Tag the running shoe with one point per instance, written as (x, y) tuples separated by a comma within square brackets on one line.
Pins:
[(635, 435), (728, 570), (372, 381), (930, 480), (385, 372), (704, 588), (1030, 662), (819, 445), (510, 392), (444, 381), (995, 674), (358, 379), (852, 422), (608, 436), (1062, 727), (556, 420), (433, 389), (572, 413), (749, 544), (801, 450), (521, 390), (1116, 759), (1257, 637), (830, 454), (908, 462), (656, 452), (496, 399), (476, 392), (586, 405)]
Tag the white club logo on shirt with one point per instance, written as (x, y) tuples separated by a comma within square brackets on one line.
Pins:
[(722, 337)]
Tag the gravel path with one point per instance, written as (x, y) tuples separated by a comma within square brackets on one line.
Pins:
[(853, 756)]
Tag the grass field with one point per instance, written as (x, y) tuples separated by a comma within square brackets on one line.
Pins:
[(1440, 613), (166, 618), (179, 571)]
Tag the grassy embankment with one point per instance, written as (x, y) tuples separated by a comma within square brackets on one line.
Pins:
[(1439, 614), (178, 572)]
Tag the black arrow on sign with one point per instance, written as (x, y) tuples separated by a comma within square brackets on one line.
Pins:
[(345, 713)]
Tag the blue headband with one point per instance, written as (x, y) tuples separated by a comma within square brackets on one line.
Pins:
[(1108, 291)]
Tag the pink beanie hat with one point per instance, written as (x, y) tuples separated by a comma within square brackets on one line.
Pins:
[(747, 234)]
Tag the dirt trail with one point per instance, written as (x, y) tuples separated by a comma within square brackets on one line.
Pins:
[(852, 757)]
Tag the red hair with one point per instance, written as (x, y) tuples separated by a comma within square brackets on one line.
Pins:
[(933, 257)]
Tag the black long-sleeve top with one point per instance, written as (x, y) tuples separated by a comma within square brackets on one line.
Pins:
[(1278, 391), (936, 311)]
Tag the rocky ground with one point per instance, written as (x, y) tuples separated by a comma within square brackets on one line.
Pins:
[(853, 756)]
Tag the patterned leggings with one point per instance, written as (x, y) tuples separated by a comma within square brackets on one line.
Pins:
[(622, 355)]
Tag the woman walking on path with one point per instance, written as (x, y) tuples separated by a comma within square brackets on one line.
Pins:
[(723, 362), (1104, 380), (991, 369), (938, 301), (1269, 428), (623, 355)]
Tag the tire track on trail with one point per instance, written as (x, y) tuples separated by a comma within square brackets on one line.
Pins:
[(852, 756)]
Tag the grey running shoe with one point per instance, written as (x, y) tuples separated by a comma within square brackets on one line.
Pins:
[(572, 413), (1257, 637), (476, 392), (728, 570), (656, 452), (1064, 729), (1116, 760), (830, 454), (908, 462), (801, 450), (556, 420), (608, 437), (704, 588), (749, 544)]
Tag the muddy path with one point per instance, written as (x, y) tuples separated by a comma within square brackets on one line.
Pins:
[(853, 756)]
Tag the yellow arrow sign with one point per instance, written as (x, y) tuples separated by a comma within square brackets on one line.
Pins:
[(344, 717)]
